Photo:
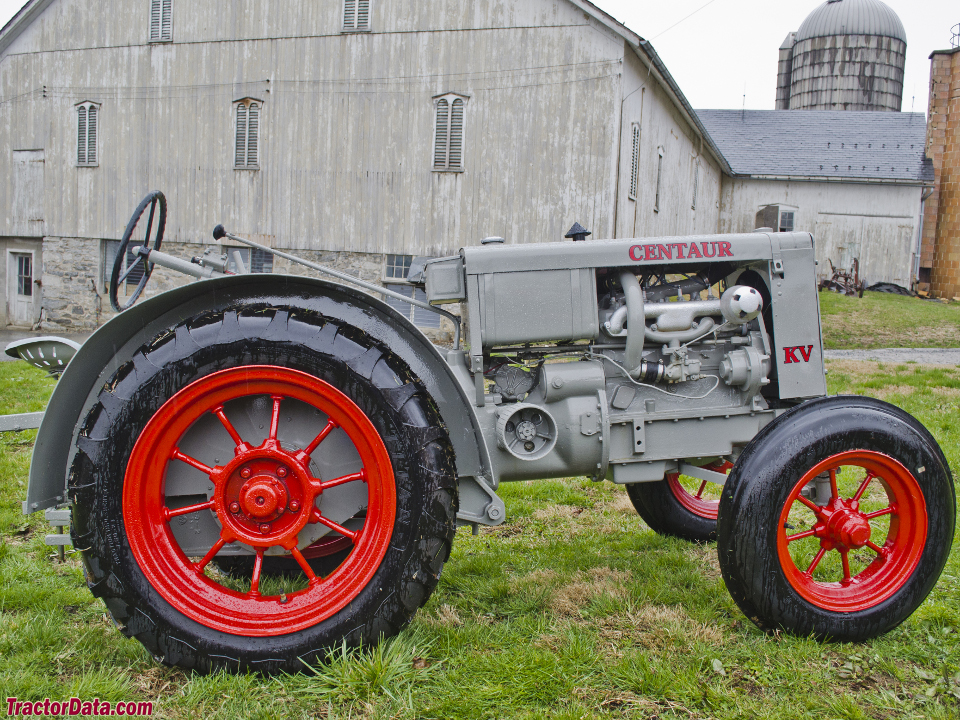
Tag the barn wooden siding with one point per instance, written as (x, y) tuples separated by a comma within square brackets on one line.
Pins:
[(346, 125), (878, 224)]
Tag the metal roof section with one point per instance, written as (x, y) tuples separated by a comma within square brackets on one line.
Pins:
[(822, 145), (852, 17)]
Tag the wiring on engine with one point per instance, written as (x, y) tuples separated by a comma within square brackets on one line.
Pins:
[(626, 374)]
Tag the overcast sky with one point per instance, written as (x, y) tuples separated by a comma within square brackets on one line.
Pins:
[(729, 48)]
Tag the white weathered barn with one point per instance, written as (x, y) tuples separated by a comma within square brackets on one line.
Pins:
[(356, 132)]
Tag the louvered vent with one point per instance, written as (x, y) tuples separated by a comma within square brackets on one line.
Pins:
[(363, 15), (440, 144), (92, 135), (456, 136), (155, 6), (635, 164), (166, 21), (349, 14), (241, 150), (253, 135), (81, 135)]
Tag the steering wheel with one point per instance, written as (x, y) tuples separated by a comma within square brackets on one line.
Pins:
[(139, 267)]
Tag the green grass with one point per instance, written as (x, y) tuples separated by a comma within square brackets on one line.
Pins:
[(880, 320), (573, 608)]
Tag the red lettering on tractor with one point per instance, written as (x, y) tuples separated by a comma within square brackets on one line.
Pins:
[(724, 249), (675, 251), (790, 354), (635, 251)]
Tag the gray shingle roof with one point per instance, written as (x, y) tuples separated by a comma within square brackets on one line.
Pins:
[(852, 17), (821, 143)]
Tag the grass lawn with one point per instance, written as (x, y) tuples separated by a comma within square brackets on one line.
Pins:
[(880, 320), (573, 608)]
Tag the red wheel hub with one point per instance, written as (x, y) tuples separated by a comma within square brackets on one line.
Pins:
[(842, 526), (264, 497)]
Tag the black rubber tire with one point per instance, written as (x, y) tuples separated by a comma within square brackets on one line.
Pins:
[(660, 509), (758, 488), (372, 376)]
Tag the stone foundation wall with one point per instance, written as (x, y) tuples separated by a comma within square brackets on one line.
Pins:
[(75, 299)]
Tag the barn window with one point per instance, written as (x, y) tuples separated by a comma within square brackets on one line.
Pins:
[(696, 184), (656, 199), (161, 20), (356, 15), (395, 272), (88, 126), (247, 145), (786, 221), (448, 134), (635, 163), (254, 260), (110, 250)]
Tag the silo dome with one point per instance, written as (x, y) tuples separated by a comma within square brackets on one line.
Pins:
[(852, 17), (847, 55)]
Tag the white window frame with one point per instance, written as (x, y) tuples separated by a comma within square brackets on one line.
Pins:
[(448, 145), (786, 210), (82, 120), (634, 163), (248, 158), (353, 11), (160, 24)]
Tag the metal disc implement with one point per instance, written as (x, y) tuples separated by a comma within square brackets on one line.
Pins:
[(263, 497)]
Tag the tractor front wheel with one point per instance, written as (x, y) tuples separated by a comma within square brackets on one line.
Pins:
[(837, 520), (680, 506)]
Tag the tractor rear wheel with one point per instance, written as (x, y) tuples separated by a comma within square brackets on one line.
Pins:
[(258, 486), (857, 561), (680, 506)]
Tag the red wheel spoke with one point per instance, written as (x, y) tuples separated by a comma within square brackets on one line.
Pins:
[(330, 427), (877, 513), (304, 565), (315, 516), (255, 579), (816, 561), (362, 475), (863, 486), (800, 536), (873, 546), (703, 486), (177, 455), (818, 511), (198, 567), (234, 435), (834, 492), (275, 418), (168, 513), (845, 561)]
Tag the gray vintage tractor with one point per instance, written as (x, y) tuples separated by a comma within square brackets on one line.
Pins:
[(262, 467)]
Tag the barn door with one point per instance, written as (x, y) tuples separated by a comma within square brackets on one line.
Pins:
[(20, 288)]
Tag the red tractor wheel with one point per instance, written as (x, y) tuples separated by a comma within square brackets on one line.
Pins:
[(680, 506), (249, 495), (855, 559)]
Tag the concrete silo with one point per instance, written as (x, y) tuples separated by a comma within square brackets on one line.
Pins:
[(847, 55)]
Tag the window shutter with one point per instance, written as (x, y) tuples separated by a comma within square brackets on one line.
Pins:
[(81, 135), (363, 14), (241, 149), (92, 135), (253, 135), (166, 21), (456, 135), (155, 19), (349, 14), (635, 164), (440, 145)]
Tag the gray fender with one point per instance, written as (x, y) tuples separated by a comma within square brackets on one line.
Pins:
[(118, 340)]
